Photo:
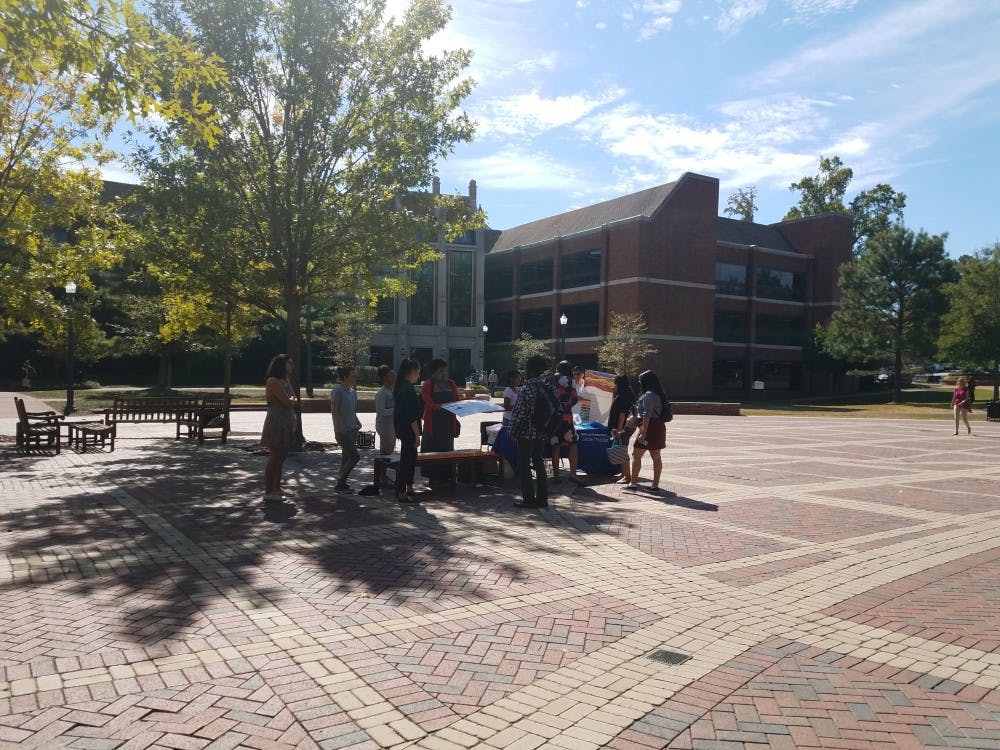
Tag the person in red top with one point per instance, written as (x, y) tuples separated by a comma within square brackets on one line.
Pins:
[(962, 403), (440, 425)]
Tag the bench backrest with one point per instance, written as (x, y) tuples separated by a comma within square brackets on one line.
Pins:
[(150, 408), (22, 413), (215, 408)]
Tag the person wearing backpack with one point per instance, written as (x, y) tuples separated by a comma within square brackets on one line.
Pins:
[(653, 411), (532, 420)]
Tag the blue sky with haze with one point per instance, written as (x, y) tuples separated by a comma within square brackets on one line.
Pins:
[(582, 100)]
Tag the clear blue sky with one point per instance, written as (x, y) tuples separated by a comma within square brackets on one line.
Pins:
[(582, 100)]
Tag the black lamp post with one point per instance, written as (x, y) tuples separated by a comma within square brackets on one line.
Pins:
[(563, 320), (70, 298), (486, 329)]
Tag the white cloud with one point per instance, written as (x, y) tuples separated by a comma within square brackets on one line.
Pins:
[(529, 115), (735, 13), (654, 16), (520, 170)]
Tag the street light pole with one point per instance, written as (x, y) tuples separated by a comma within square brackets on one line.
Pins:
[(486, 329), (70, 298), (563, 320)]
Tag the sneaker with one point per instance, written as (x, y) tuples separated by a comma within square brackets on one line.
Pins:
[(631, 486)]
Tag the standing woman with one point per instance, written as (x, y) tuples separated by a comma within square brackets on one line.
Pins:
[(621, 408), (652, 435), (962, 403), (406, 418), (384, 406), (344, 408), (278, 432), (440, 425)]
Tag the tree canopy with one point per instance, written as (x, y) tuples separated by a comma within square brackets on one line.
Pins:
[(333, 119), (872, 211), (892, 300), (625, 348), (742, 204), (970, 329)]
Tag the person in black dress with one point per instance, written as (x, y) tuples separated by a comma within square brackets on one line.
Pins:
[(406, 418)]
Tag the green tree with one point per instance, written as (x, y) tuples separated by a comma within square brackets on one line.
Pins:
[(872, 211), (354, 327), (892, 299), (625, 348), (333, 117), (525, 347), (742, 204), (970, 329)]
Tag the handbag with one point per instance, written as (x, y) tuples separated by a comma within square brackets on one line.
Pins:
[(617, 453)]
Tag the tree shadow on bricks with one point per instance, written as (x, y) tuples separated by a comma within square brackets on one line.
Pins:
[(168, 534)]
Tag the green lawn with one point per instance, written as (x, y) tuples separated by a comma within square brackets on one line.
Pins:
[(919, 402)]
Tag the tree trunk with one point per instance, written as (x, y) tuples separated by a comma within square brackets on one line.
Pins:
[(227, 372), (308, 367), (897, 380), (293, 346), (996, 380)]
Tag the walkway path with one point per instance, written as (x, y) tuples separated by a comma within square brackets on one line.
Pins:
[(827, 583)]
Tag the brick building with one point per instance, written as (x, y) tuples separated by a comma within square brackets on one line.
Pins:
[(728, 303)]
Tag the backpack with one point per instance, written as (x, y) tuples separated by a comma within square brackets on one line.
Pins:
[(547, 416), (666, 411)]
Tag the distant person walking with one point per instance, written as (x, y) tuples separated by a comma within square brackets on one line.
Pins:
[(406, 418), (652, 435), (278, 432), (27, 373), (492, 380), (961, 403), (344, 408), (384, 407), (972, 391)]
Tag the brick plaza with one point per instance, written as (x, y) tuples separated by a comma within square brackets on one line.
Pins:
[(833, 581)]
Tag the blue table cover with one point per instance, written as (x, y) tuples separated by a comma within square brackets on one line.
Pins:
[(592, 447)]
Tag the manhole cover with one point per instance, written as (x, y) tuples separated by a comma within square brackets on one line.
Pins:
[(669, 657)]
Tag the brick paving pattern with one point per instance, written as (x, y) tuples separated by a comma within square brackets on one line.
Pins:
[(833, 582)]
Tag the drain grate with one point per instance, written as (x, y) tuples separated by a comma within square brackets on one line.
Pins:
[(669, 657)]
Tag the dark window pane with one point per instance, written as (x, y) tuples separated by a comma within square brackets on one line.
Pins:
[(774, 283), (780, 330), (460, 289), (423, 355), (385, 310), (422, 301), (459, 362), (380, 355), (730, 326), (499, 282), (582, 320), (536, 277), (501, 327), (727, 375), (778, 376), (537, 322), (581, 269), (731, 278)]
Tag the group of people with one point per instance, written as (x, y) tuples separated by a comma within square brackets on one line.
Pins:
[(482, 377), (416, 422), (542, 414)]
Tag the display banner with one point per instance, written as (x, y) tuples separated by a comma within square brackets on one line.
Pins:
[(595, 396)]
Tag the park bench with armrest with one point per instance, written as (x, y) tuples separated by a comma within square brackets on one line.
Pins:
[(163, 409), (34, 426), (211, 413)]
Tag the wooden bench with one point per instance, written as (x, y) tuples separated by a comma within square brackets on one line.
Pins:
[(82, 434), (478, 464), (33, 427), (211, 413), (163, 409)]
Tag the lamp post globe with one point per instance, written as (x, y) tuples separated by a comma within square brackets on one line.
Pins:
[(563, 320)]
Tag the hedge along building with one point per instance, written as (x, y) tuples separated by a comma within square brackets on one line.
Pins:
[(728, 303), (444, 316)]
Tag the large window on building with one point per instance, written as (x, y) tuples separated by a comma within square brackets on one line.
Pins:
[(501, 327), (774, 283), (727, 375), (781, 330), (459, 362), (385, 310), (380, 355), (423, 356), (582, 320), (581, 269), (422, 301), (536, 277), (731, 278), (779, 376), (460, 265), (537, 322), (499, 282), (730, 326)]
